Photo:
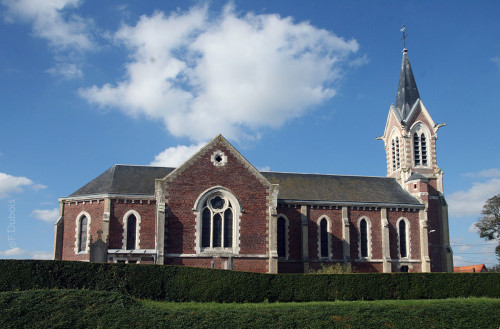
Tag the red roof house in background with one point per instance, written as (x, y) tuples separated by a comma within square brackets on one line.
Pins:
[(471, 268)]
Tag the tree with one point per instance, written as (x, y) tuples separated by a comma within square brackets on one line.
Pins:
[(489, 223)]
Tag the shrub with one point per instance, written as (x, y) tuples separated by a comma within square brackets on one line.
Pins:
[(336, 268), (178, 283)]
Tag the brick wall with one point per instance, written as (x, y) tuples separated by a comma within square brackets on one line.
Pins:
[(146, 210), (413, 230), (186, 185), (375, 231), (71, 211), (239, 264), (435, 243), (294, 231), (335, 216)]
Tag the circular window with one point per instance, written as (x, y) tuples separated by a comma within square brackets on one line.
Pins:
[(218, 203), (218, 158)]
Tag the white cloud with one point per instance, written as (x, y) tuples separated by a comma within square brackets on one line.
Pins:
[(176, 155), (18, 253), (41, 255), (49, 216), (470, 202), (12, 252), (265, 168), (202, 75), (360, 61), (14, 184), (459, 261), (488, 173), (68, 71), (52, 21), (473, 229), (38, 187)]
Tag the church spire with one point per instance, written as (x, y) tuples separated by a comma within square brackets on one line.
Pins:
[(407, 89)]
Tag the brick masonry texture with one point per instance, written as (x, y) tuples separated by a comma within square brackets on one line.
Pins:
[(71, 212), (414, 233), (185, 188), (147, 225)]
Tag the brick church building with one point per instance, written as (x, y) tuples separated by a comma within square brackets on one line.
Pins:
[(217, 210)]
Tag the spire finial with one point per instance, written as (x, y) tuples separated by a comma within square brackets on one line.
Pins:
[(405, 35)]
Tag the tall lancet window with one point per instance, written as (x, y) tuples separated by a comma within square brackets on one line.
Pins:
[(403, 247), (424, 149), (281, 237), (131, 232), (82, 246), (420, 149), (398, 165), (393, 154), (416, 148), (217, 223), (364, 236), (324, 238), (396, 162)]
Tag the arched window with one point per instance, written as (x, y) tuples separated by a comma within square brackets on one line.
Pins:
[(281, 238), (217, 222), (424, 149), (82, 246), (403, 238), (131, 232), (396, 162), (364, 237), (323, 238), (416, 148), (393, 154), (82, 232), (420, 147)]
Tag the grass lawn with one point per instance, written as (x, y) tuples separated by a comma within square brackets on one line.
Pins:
[(101, 309)]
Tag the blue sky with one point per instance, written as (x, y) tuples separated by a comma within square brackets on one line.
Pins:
[(296, 86)]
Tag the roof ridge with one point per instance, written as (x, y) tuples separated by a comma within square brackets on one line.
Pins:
[(336, 175), (149, 166)]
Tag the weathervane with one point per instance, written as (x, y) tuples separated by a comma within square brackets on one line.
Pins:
[(405, 35)]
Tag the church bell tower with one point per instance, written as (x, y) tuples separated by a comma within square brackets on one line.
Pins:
[(410, 135), (410, 144)]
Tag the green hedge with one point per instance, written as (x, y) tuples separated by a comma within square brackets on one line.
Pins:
[(103, 309), (178, 283)]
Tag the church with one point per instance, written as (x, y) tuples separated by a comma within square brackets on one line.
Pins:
[(217, 210)]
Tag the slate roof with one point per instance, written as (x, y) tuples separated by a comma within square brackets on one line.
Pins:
[(336, 188), (140, 180), (417, 176), (407, 88), (125, 179)]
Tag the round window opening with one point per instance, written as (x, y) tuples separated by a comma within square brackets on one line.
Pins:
[(217, 202), (218, 158)]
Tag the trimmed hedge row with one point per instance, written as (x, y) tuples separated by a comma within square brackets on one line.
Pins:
[(179, 283), (103, 309)]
